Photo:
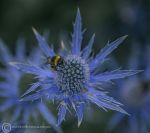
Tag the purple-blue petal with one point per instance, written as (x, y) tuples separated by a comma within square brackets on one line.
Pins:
[(5, 54), (116, 74), (31, 69), (61, 113), (43, 44), (49, 117), (134, 60), (105, 102), (100, 58), (33, 97), (77, 35), (16, 114), (20, 50), (26, 115), (32, 88), (6, 105), (115, 120), (88, 49), (79, 112)]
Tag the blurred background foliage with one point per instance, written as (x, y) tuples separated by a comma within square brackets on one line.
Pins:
[(108, 19)]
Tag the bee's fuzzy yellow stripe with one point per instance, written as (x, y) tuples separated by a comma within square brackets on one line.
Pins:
[(57, 58)]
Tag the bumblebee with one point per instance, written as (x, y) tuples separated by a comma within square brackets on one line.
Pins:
[(55, 61)]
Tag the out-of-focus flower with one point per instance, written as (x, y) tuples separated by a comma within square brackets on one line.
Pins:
[(135, 18), (12, 83), (74, 79), (134, 93)]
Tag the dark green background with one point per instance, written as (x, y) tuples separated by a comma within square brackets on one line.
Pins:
[(109, 19)]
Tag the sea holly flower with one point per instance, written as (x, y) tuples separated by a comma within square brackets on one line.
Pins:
[(135, 94), (73, 79), (12, 83)]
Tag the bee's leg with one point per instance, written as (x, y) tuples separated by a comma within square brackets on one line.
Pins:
[(48, 60)]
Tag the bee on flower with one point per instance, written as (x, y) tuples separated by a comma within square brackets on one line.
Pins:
[(72, 78)]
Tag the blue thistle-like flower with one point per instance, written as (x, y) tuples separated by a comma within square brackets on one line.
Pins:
[(135, 94), (10, 87), (74, 79)]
